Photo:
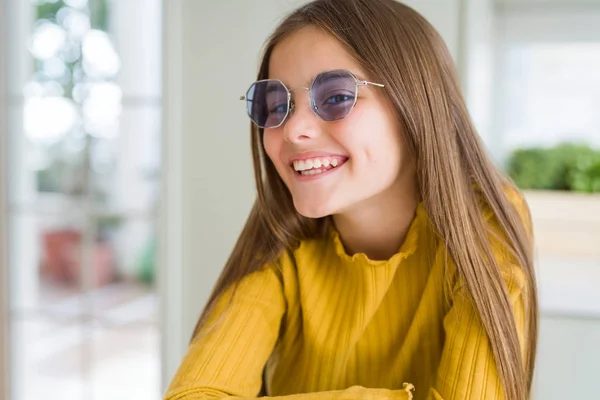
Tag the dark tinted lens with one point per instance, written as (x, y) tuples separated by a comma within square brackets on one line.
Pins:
[(267, 103), (334, 94)]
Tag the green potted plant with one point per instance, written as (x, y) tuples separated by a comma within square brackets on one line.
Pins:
[(562, 187)]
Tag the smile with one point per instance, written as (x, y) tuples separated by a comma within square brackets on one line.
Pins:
[(317, 165)]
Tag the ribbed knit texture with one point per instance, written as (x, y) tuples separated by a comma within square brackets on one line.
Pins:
[(326, 325)]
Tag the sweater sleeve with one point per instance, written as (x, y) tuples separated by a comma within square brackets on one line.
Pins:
[(467, 369), (227, 357)]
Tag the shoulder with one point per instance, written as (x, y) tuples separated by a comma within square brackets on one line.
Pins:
[(499, 243), (518, 209), (517, 204), (263, 285), (512, 272)]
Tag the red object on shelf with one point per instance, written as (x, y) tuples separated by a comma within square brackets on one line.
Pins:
[(63, 255)]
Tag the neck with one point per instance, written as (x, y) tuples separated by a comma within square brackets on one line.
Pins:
[(377, 227)]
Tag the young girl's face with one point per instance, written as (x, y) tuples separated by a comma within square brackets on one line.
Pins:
[(372, 166)]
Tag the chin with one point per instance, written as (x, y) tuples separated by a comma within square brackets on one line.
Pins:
[(313, 210)]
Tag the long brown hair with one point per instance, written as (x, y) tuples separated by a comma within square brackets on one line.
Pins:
[(399, 47)]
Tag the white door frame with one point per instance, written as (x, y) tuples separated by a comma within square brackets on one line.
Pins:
[(170, 249), (4, 322)]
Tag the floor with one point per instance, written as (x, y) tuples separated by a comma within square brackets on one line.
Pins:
[(65, 353)]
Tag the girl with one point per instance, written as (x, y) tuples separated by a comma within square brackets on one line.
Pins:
[(385, 256)]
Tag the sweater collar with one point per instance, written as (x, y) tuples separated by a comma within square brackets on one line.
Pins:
[(408, 247)]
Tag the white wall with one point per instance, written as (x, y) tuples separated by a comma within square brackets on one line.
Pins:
[(211, 55)]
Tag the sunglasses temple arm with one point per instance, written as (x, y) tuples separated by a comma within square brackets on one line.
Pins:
[(365, 83)]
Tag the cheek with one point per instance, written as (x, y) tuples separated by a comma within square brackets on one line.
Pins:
[(272, 143), (375, 143)]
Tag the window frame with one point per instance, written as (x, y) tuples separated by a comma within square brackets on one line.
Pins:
[(171, 268), (4, 359)]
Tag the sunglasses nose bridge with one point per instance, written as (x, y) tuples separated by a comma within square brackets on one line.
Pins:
[(293, 98), (298, 88)]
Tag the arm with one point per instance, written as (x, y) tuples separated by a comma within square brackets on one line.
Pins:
[(467, 368), (228, 356), (352, 393)]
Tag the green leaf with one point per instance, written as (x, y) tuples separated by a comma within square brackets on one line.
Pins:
[(567, 166)]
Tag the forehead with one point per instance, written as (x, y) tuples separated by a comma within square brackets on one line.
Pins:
[(298, 58)]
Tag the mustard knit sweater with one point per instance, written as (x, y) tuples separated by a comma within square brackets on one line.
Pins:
[(325, 325)]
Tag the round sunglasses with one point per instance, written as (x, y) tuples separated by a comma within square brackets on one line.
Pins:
[(332, 94)]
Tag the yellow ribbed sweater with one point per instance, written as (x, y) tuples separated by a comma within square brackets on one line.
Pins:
[(325, 325)]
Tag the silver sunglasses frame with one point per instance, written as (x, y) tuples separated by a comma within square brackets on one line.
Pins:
[(314, 108)]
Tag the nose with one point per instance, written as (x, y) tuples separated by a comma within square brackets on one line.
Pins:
[(302, 123)]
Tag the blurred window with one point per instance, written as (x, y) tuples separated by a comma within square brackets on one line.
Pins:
[(84, 138), (548, 78)]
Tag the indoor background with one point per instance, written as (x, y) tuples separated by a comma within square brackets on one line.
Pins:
[(126, 175)]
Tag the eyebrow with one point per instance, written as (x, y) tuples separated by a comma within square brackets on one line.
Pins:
[(272, 89), (358, 76)]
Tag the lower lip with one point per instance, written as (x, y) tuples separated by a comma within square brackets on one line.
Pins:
[(304, 178)]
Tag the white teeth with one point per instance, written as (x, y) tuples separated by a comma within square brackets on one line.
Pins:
[(312, 172), (316, 163)]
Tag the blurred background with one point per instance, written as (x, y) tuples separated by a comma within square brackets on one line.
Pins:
[(126, 175)]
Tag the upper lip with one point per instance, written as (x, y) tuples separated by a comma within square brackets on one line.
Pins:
[(313, 154)]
